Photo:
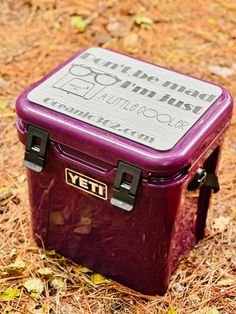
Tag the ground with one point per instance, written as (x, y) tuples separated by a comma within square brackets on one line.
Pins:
[(195, 37)]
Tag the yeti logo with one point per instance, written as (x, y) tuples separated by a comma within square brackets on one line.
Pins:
[(85, 81), (86, 184)]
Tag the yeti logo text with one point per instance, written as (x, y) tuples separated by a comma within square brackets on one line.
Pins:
[(86, 184)]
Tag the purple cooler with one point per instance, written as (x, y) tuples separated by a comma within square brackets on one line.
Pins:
[(122, 158)]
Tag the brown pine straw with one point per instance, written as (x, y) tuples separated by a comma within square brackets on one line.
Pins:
[(187, 36)]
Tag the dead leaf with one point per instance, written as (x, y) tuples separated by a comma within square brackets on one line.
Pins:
[(113, 26), (228, 5), (13, 252), (194, 298), (7, 310), (34, 286), (144, 21), (5, 193), (3, 105), (15, 268), (57, 25), (98, 279), (78, 22), (22, 178), (234, 213), (34, 307), (221, 71), (53, 253), (45, 272), (117, 29), (212, 21), (58, 283), (130, 43), (213, 311), (178, 287), (220, 223), (226, 282), (84, 270), (10, 293)]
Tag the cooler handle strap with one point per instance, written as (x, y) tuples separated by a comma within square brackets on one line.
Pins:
[(212, 182), (202, 178)]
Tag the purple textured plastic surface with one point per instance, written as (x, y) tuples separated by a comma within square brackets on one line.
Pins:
[(140, 248)]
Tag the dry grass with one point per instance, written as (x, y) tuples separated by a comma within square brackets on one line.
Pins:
[(188, 36)]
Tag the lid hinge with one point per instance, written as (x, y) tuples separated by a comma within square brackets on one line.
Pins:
[(124, 192), (202, 178), (35, 148)]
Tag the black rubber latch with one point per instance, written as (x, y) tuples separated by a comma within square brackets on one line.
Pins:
[(35, 148), (124, 193)]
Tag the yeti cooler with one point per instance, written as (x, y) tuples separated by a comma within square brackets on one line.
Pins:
[(122, 158)]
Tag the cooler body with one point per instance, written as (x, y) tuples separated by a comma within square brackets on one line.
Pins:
[(140, 248), (121, 185)]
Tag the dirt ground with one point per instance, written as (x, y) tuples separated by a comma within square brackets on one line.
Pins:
[(195, 37)]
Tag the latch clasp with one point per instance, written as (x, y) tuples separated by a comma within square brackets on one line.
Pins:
[(35, 148), (124, 192)]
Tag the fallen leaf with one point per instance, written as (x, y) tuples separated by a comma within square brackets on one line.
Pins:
[(10, 294), (103, 40), (211, 21), (7, 310), (220, 223), (172, 310), (228, 5), (45, 272), (5, 193), (22, 178), (178, 287), (34, 286), (130, 43), (98, 279), (78, 22), (117, 29), (34, 307), (57, 25), (144, 21), (113, 26), (15, 268), (58, 283), (221, 71), (3, 105), (194, 298), (234, 213), (213, 311), (84, 270), (226, 282), (13, 252), (52, 253)]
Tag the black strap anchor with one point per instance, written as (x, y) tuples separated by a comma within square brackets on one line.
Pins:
[(202, 178)]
